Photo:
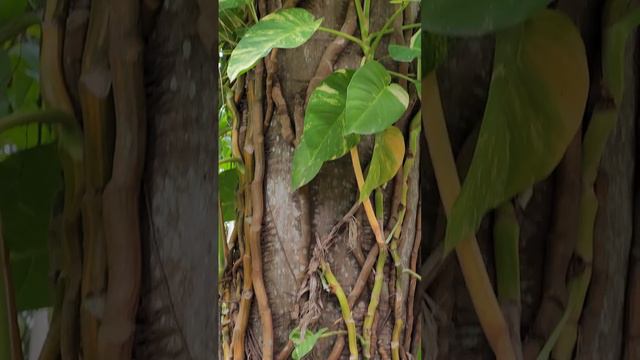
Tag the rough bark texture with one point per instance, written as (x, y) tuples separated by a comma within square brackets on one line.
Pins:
[(176, 316)]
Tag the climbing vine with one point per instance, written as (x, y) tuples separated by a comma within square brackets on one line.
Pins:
[(342, 107)]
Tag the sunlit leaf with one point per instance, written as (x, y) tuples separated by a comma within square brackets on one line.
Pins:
[(373, 102), (388, 153), (288, 28), (324, 124), (475, 17), (536, 101)]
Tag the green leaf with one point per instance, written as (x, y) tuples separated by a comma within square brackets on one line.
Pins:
[(228, 184), (10, 9), (231, 4), (286, 29), (475, 17), (29, 182), (388, 153), (407, 53), (31, 281), (534, 109), (304, 344), (324, 124), (373, 103), (621, 23)]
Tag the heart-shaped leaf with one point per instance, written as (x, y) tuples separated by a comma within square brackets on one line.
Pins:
[(373, 102), (286, 29), (388, 153), (475, 17), (407, 53), (304, 344), (324, 124), (536, 101)]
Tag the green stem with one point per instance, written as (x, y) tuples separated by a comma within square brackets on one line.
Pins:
[(506, 237), (362, 20), (17, 26), (367, 14), (506, 234), (343, 35), (470, 258), (563, 339), (335, 287), (389, 31), (373, 303), (36, 117), (386, 27), (403, 76)]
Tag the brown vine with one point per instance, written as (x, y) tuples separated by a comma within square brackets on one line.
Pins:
[(121, 196)]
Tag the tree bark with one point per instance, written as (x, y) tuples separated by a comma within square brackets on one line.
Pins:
[(179, 216)]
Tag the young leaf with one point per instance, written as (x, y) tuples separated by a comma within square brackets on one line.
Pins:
[(304, 344), (286, 29), (404, 53), (475, 17), (373, 103), (324, 124), (388, 153), (533, 111)]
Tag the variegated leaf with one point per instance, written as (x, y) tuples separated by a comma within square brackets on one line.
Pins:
[(286, 29), (324, 123), (373, 102)]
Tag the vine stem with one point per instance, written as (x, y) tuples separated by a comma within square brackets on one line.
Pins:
[(343, 35), (386, 27), (373, 303), (471, 262), (402, 76), (403, 27), (335, 287), (364, 28), (368, 208)]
